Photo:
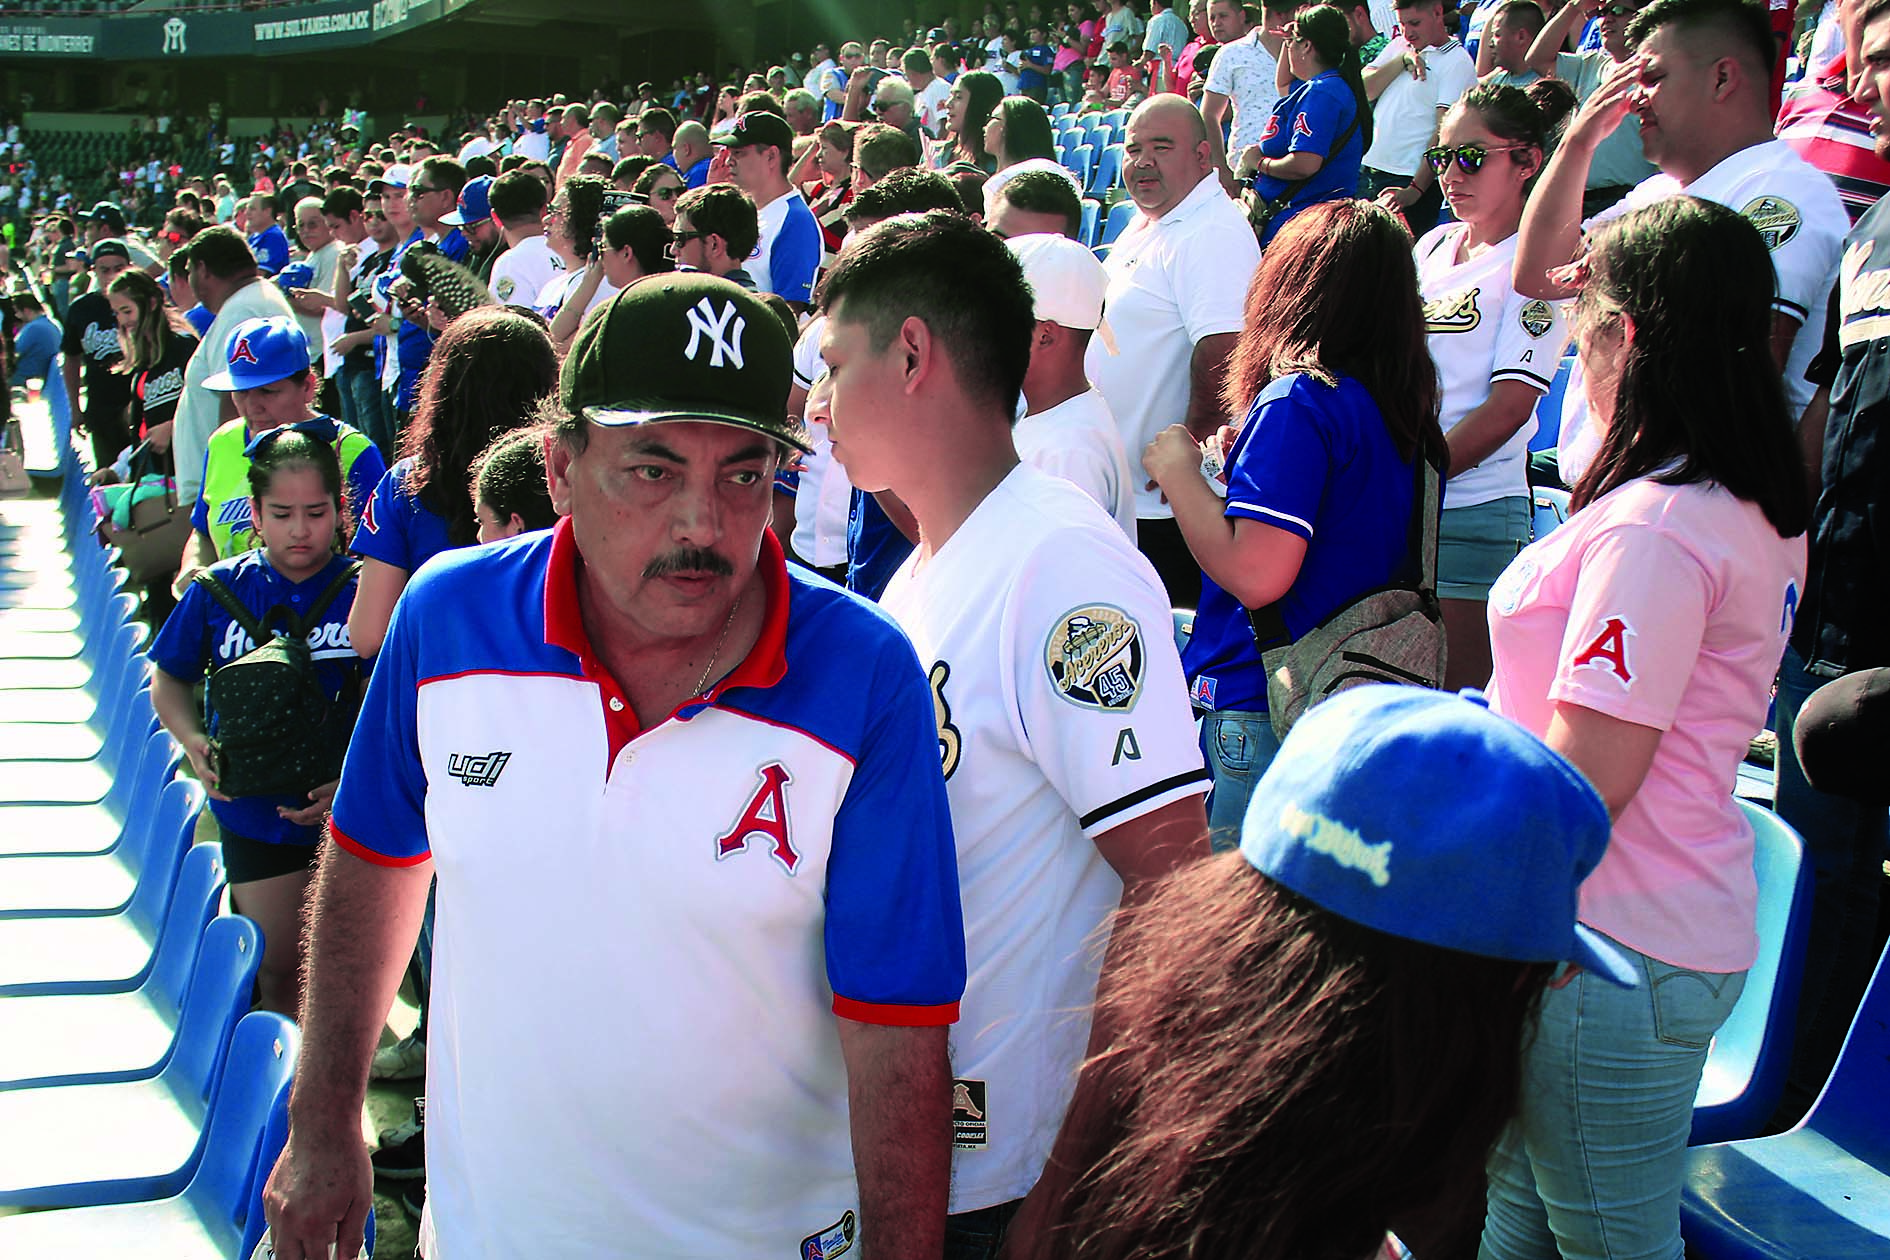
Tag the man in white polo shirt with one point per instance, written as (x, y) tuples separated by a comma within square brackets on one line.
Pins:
[(1068, 429), (698, 931), (1177, 294), (1700, 82), (1064, 728)]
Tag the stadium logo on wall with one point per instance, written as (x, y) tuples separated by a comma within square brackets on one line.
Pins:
[(1095, 657), (1776, 218), (1536, 318), (174, 32)]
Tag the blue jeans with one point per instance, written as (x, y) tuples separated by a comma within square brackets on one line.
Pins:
[(1591, 1167), (1844, 842), (362, 392), (979, 1233), (1239, 747)]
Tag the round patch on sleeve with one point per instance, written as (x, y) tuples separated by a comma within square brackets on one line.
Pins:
[(1536, 318), (1095, 658), (505, 287), (1777, 219)]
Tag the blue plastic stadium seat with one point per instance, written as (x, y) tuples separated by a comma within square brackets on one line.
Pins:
[(1101, 252), (1067, 142), (1108, 172), (1060, 110), (94, 1038), (1550, 508), (1092, 216), (1746, 1067), (94, 828), (1120, 216), (1548, 429), (1117, 118), (1819, 1190), (1080, 162), (219, 1213), (79, 884)]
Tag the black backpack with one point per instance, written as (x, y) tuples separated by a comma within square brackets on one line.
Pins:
[(278, 733)]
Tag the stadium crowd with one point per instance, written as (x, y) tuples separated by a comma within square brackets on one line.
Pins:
[(744, 882)]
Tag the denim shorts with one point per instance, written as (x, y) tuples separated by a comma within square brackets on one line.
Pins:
[(1476, 543), (1238, 747)]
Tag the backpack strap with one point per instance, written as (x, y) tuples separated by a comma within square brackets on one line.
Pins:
[(327, 597), (258, 633)]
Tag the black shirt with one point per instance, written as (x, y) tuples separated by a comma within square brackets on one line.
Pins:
[(156, 390), (92, 339)]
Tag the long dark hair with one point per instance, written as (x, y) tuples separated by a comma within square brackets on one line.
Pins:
[(1336, 294), (1699, 397), (983, 91), (1326, 29), (485, 377), (1281, 1082), (1027, 132)]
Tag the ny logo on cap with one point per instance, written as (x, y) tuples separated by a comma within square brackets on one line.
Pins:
[(242, 353), (724, 332)]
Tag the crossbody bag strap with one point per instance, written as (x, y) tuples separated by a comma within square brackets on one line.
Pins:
[(1292, 189)]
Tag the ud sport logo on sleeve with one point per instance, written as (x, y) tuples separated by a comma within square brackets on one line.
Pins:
[(1095, 657)]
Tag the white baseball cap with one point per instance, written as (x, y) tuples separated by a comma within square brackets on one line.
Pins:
[(1066, 278)]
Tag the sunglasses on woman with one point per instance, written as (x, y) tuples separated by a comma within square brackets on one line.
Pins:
[(1469, 157)]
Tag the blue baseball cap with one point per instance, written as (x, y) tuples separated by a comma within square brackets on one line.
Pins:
[(262, 351), (1425, 816), (475, 203), (297, 275)]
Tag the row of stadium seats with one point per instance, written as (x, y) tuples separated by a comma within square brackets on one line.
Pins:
[(143, 1106)]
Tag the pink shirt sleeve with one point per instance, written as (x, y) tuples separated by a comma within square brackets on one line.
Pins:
[(1634, 626)]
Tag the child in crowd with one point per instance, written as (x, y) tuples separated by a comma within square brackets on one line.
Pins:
[(508, 484)]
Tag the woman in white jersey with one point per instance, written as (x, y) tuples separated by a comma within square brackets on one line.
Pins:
[(1640, 640), (1496, 354)]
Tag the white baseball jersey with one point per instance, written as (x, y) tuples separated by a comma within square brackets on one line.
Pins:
[(824, 496), (1481, 331), (1062, 714), (522, 272), (1797, 210), (1078, 441)]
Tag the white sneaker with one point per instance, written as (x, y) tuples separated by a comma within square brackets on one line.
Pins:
[(405, 1060)]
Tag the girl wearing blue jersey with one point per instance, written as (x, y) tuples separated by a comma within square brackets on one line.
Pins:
[(269, 842), (485, 378), (1340, 400), (1312, 145)]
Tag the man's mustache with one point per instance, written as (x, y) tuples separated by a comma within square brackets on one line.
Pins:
[(690, 560)]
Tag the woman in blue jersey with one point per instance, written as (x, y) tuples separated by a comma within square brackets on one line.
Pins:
[(269, 842), (1312, 145), (1340, 400), (484, 378), (1496, 353)]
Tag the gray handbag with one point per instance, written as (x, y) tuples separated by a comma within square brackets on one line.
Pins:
[(1393, 634)]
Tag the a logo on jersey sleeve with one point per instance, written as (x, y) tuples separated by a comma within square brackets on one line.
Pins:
[(1453, 313), (370, 516), (1608, 650), (951, 744), (1777, 219), (505, 288), (1506, 595), (765, 815), (1271, 130), (1301, 127), (1095, 657), (477, 771), (971, 1130), (1536, 317), (835, 1240)]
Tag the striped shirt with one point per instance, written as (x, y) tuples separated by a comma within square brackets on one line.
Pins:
[(1830, 130)]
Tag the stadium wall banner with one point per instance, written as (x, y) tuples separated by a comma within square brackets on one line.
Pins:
[(163, 35)]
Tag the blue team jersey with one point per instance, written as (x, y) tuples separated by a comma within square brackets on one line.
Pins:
[(37, 344), (271, 248), (1310, 119), (200, 636), (698, 175), (875, 547), (396, 527), (1315, 461), (795, 254)]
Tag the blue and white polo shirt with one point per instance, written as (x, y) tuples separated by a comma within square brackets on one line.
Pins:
[(688, 906)]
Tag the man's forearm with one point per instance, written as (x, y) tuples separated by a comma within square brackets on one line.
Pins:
[(1207, 371), (363, 921), (899, 1092)]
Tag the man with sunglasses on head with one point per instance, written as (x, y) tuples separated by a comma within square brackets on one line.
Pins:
[(1618, 163), (1700, 83)]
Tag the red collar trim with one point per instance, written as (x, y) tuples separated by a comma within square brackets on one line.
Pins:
[(766, 662)]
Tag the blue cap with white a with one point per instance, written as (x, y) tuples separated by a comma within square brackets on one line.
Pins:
[(262, 351), (1423, 815), (297, 275), (475, 203)]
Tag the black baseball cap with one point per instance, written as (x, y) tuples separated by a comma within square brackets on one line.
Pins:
[(110, 215), (684, 346), (760, 127), (111, 247)]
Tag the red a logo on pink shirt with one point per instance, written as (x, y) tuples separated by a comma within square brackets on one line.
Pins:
[(1608, 649)]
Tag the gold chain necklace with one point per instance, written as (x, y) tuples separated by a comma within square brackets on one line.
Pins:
[(703, 681)]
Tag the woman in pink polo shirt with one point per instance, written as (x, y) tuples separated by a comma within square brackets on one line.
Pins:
[(1640, 640)]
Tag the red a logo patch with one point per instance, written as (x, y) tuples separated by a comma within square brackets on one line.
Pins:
[(1301, 126), (765, 815), (242, 353), (1608, 649)]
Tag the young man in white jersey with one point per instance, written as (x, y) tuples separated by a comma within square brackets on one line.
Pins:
[(1063, 723), (1700, 82)]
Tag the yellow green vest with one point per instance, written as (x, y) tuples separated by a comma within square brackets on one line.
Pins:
[(226, 484)]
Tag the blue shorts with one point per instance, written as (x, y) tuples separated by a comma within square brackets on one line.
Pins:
[(1476, 543)]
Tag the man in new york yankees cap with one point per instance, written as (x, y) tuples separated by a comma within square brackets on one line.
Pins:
[(741, 833)]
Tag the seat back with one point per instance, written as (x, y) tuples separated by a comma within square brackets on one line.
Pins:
[(1548, 430), (1080, 161), (1120, 215), (172, 825), (191, 901), (1746, 1066), (1850, 1109), (1550, 508), (1108, 173), (1092, 214), (220, 989), (248, 1124)]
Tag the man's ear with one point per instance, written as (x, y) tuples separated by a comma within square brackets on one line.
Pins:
[(558, 460)]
